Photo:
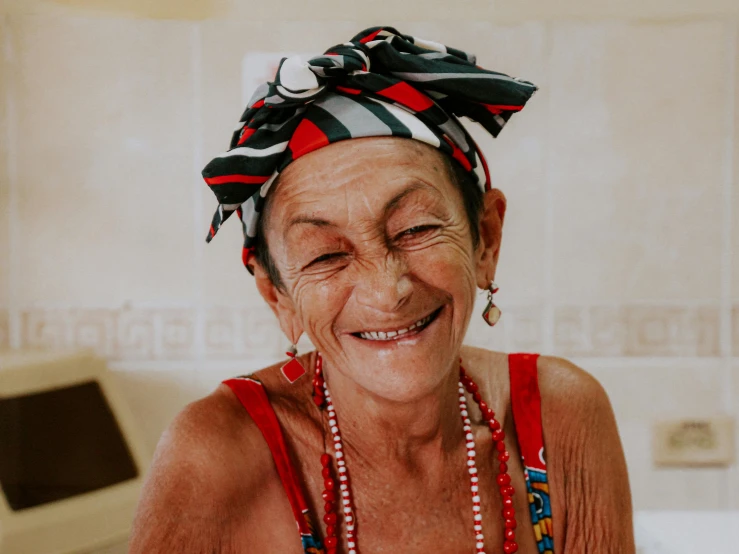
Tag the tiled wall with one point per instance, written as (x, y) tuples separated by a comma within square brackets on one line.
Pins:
[(620, 247)]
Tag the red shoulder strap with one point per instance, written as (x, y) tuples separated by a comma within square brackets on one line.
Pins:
[(526, 405), (253, 397)]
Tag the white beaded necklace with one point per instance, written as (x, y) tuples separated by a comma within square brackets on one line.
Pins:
[(346, 499)]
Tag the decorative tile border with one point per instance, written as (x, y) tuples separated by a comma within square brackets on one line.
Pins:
[(155, 334), (637, 330), (253, 332), (243, 332), (118, 334)]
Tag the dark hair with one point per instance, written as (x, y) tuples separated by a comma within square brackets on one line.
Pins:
[(472, 197)]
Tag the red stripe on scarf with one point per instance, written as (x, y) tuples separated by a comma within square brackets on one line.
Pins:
[(246, 254), (368, 38), (306, 138), (459, 155), (247, 133), (247, 179), (498, 109), (408, 96), (349, 90)]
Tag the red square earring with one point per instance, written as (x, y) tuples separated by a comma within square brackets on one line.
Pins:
[(293, 369), (492, 313)]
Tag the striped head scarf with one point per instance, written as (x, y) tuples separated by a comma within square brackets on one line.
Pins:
[(380, 83)]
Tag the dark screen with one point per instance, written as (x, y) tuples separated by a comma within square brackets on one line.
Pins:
[(60, 443)]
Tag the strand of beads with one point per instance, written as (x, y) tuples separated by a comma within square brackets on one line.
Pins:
[(329, 497), (346, 499), (504, 480), (472, 469), (322, 399)]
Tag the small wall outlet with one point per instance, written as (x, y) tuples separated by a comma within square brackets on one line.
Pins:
[(694, 442)]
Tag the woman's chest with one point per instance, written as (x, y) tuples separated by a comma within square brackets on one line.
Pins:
[(400, 512)]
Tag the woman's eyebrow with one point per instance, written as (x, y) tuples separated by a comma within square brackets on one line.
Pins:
[(393, 203), (308, 220), (389, 206)]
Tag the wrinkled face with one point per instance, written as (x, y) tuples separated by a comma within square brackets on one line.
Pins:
[(373, 245)]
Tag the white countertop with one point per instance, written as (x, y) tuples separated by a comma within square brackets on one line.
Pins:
[(683, 532)]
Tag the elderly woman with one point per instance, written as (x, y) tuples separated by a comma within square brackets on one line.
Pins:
[(399, 439)]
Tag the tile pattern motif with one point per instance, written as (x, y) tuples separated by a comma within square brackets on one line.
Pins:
[(154, 334), (637, 330), (171, 333)]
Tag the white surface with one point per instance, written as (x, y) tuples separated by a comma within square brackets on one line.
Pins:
[(686, 532)]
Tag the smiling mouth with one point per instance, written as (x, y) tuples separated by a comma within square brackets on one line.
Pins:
[(396, 334)]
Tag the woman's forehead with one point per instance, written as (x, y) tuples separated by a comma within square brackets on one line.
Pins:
[(359, 171)]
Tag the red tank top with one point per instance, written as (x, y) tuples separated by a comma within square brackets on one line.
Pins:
[(526, 407)]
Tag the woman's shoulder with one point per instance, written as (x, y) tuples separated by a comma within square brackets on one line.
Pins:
[(558, 377), (568, 388), (213, 428), (576, 413), (565, 388), (211, 467), (220, 424), (217, 427)]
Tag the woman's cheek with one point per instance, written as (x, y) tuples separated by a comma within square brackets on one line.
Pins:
[(446, 265), (320, 302)]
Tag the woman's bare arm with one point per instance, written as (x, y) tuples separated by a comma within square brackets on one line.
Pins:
[(199, 487), (590, 485)]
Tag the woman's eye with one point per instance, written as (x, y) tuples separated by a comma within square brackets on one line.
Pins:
[(416, 230), (325, 257)]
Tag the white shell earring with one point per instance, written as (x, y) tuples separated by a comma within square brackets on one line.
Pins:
[(492, 313)]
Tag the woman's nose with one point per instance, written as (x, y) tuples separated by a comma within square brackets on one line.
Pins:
[(384, 285)]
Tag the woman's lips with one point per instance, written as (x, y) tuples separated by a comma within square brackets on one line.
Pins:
[(396, 334)]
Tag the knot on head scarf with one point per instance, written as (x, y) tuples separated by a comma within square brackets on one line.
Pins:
[(381, 83)]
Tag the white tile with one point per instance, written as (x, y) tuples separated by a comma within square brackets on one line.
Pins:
[(4, 241), (104, 155), (156, 397), (6, 75), (641, 395), (732, 172), (523, 10), (637, 150)]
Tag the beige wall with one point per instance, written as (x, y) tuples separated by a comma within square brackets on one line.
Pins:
[(620, 248)]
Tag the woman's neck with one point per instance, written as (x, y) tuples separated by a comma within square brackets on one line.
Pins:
[(379, 431)]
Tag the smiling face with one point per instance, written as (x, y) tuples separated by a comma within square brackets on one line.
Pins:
[(373, 246)]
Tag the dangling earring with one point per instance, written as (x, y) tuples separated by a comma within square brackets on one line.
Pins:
[(293, 370), (491, 315)]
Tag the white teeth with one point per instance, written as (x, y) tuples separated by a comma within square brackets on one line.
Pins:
[(384, 335)]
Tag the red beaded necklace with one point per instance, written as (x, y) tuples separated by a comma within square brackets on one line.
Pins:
[(331, 495)]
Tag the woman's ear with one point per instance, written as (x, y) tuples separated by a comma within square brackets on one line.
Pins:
[(281, 304), (491, 233)]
